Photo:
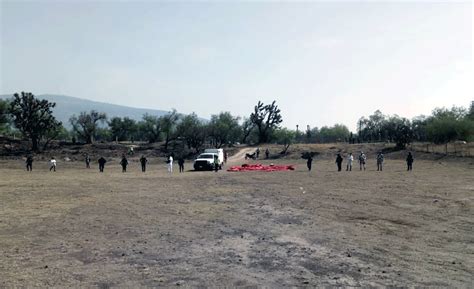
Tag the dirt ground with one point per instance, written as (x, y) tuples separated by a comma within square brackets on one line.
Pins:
[(78, 227)]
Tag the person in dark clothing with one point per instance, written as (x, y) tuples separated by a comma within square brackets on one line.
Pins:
[(124, 163), (257, 152), (29, 163), (143, 162), (267, 153), (225, 156), (380, 159), (339, 162), (409, 162), (88, 162), (309, 162), (101, 162), (216, 164), (181, 164)]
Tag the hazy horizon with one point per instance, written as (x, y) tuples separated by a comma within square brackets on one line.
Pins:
[(323, 62)]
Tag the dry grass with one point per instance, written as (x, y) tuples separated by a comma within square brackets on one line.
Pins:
[(77, 227)]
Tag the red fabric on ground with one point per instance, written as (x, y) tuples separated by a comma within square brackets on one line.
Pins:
[(260, 167)]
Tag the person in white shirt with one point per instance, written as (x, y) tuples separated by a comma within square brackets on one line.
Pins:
[(52, 164), (350, 159), (170, 164)]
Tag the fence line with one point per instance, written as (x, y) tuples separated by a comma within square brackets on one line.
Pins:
[(453, 149)]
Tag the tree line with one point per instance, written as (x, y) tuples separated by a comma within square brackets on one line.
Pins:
[(33, 119)]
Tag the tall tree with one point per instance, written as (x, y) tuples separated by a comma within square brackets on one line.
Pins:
[(266, 118), (399, 130), (33, 117), (284, 137), (85, 125), (168, 125), (150, 128), (4, 115), (247, 128), (123, 128), (224, 129), (192, 131), (445, 125), (470, 115)]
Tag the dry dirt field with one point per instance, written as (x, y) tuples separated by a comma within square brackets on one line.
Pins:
[(80, 228)]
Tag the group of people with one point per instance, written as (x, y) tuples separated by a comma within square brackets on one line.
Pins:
[(363, 158), (143, 163), (29, 164)]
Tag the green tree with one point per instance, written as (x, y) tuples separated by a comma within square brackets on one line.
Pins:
[(470, 115), (418, 125), (150, 128), (192, 131), (224, 129), (336, 133), (123, 129), (85, 125), (445, 125), (33, 117), (4, 116), (168, 126), (284, 137), (247, 129), (266, 118), (399, 130)]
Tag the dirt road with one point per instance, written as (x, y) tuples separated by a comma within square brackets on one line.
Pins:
[(77, 227)]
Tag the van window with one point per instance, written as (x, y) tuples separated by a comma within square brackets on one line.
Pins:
[(206, 156)]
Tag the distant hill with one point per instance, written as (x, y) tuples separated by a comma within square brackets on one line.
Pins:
[(66, 106)]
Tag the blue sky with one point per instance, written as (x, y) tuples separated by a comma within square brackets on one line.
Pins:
[(323, 62)]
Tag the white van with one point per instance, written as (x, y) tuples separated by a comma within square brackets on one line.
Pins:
[(205, 161), (219, 153)]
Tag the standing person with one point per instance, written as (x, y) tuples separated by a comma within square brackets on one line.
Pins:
[(143, 162), (380, 160), (170, 164), (88, 162), (409, 162), (181, 164), (309, 162), (339, 162), (362, 159), (216, 163), (225, 156), (29, 163), (257, 152), (350, 159), (124, 163), (101, 162), (267, 153), (52, 164)]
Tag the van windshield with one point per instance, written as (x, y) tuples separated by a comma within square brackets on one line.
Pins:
[(206, 156)]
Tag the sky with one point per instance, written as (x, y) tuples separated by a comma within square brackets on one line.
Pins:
[(322, 62)]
